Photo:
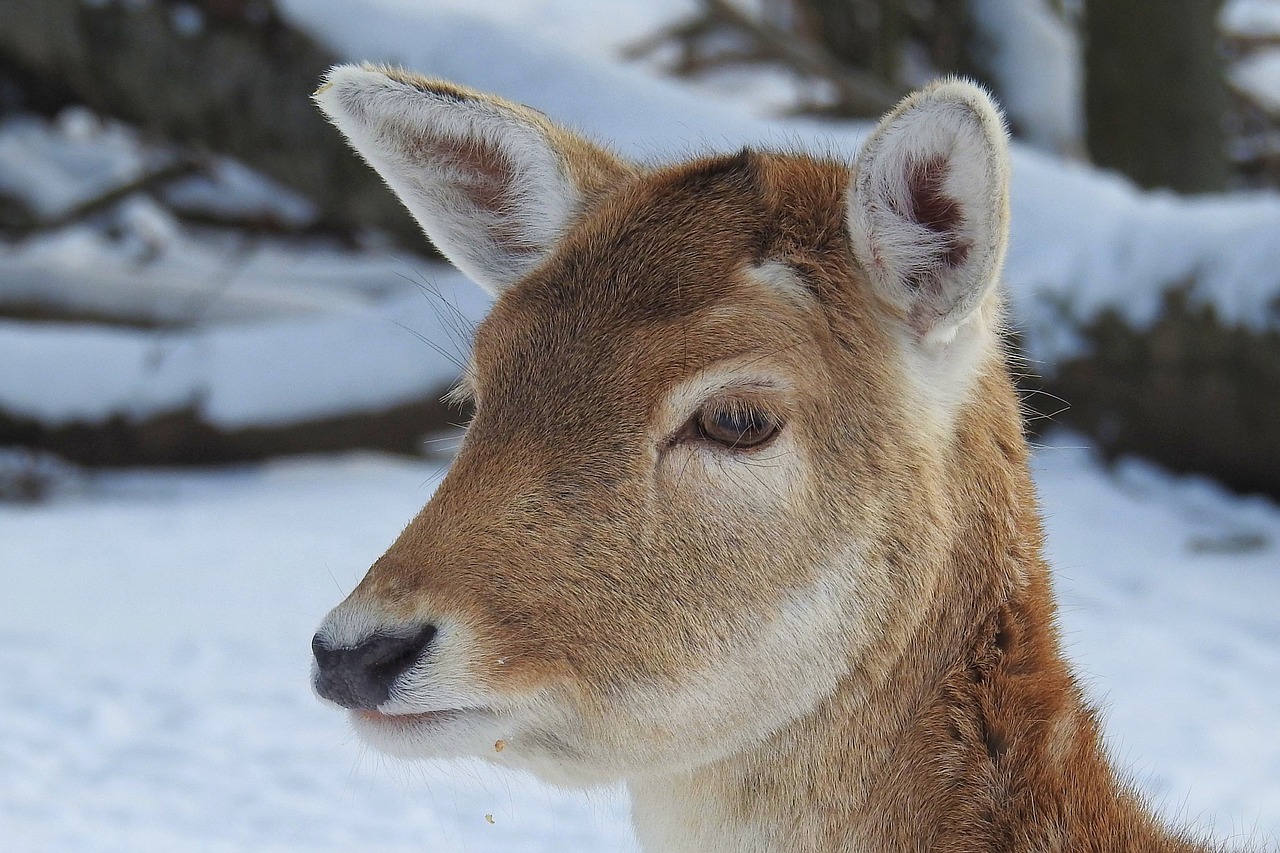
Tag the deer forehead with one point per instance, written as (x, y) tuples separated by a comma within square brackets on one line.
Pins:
[(679, 273), (579, 358)]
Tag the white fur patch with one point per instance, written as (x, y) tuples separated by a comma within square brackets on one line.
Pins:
[(758, 682), (782, 281), (749, 375), (761, 685)]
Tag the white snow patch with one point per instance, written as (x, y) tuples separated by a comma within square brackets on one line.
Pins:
[(233, 191), (1035, 58), (358, 356), (52, 166), (183, 281), (1250, 18), (1258, 76), (599, 27)]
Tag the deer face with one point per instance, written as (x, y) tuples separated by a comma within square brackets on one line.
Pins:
[(698, 490)]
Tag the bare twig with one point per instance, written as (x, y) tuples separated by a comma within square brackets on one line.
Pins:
[(856, 91), (859, 90)]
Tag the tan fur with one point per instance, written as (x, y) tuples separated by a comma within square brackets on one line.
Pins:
[(845, 641)]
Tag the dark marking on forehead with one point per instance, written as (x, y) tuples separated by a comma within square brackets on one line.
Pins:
[(663, 248), (661, 251), (736, 172)]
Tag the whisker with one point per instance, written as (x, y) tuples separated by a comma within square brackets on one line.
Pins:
[(455, 324), (439, 349)]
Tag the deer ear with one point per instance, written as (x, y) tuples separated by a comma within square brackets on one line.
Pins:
[(928, 207), (492, 183)]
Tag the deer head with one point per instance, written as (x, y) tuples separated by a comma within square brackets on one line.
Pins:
[(720, 408)]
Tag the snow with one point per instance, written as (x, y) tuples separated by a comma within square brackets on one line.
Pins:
[(154, 652), (1258, 76), (187, 20), (167, 276), (601, 28), (1035, 59), (53, 166), (361, 357), (1251, 18), (30, 475), (233, 191)]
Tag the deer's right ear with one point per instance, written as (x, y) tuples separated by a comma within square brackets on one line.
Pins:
[(492, 183)]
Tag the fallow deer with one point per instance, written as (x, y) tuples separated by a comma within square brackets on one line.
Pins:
[(743, 519)]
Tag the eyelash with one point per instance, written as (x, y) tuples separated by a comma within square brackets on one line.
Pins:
[(734, 426)]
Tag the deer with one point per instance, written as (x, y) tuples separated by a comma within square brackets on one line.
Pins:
[(743, 519)]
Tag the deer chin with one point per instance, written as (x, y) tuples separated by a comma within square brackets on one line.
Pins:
[(550, 750)]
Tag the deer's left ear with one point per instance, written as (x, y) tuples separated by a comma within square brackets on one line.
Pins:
[(928, 207)]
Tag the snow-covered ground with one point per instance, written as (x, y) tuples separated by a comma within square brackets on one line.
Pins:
[(1252, 28), (154, 662)]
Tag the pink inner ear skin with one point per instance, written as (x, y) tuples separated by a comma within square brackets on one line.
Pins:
[(934, 209)]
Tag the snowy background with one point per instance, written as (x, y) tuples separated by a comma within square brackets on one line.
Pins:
[(154, 625)]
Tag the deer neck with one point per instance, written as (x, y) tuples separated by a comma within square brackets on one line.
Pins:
[(977, 739)]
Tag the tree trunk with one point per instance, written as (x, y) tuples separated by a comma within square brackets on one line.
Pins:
[(1155, 100), (226, 75), (1191, 391), (874, 35)]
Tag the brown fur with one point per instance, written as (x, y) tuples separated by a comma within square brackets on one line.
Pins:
[(582, 566)]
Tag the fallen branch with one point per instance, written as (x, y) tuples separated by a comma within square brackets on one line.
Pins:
[(23, 221)]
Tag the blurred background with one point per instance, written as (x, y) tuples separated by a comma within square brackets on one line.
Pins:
[(223, 347), (180, 232)]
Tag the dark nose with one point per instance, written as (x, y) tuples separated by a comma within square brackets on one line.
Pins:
[(361, 676)]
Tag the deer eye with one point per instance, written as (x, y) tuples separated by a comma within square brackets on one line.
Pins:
[(738, 428)]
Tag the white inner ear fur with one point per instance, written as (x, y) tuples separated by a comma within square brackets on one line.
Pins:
[(481, 176), (928, 207), (928, 219)]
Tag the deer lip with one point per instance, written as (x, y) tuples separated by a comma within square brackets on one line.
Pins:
[(417, 717)]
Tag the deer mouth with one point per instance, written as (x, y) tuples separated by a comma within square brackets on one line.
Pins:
[(442, 733), (418, 718)]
